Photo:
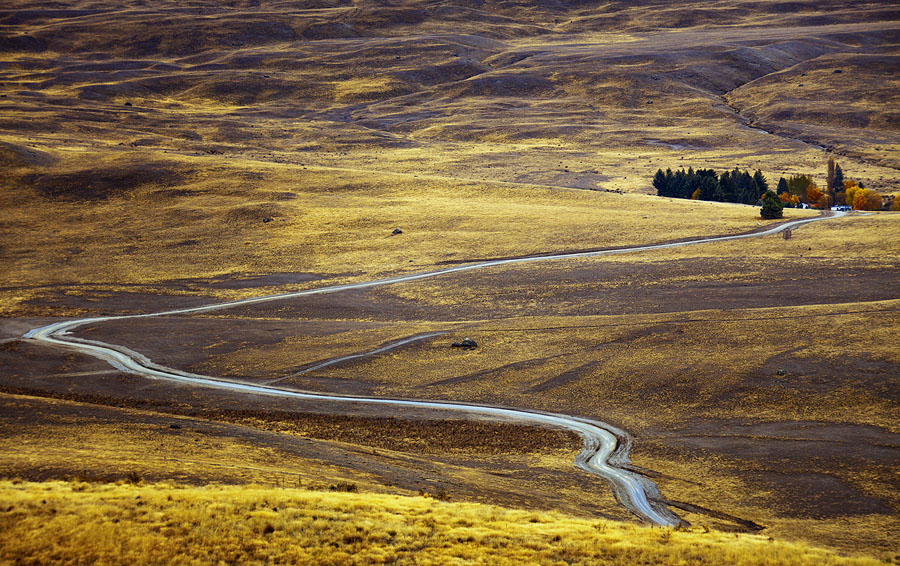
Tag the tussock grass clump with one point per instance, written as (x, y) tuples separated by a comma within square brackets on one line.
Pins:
[(65, 523)]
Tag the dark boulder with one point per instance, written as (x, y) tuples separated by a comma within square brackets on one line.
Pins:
[(467, 344)]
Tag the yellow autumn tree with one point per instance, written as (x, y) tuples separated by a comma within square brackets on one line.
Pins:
[(789, 199), (813, 195), (863, 199), (873, 200), (850, 190)]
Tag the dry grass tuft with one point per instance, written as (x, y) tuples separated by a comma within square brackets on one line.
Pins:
[(63, 523)]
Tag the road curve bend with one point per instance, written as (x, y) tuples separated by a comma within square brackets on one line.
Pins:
[(602, 454)]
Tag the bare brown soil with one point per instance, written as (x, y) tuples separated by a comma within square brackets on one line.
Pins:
[(793, 458)]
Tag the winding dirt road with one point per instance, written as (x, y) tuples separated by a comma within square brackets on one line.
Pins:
[(602, 453)]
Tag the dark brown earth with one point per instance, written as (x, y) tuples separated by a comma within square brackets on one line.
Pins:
[(811, 465)]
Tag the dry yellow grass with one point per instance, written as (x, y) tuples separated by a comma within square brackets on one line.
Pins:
[(336, 223), (636, 368), (464, 130), (467, 461), (77, 522), (105, 446), (873, 238)]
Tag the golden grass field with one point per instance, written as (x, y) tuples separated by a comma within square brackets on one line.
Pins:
[(170, 524), (155, 155), (335, 228)]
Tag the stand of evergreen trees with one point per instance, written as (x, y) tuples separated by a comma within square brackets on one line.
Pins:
[(705, 184)]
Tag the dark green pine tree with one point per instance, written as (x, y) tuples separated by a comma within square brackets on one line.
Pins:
[(772, 207), (659, 183), (727, 189), (783, 186), (752, 194), (761, 182), (708, 186), (679, 184)]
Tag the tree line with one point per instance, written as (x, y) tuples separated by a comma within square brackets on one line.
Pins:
[(799, 190), (796, 191), (706, 184)]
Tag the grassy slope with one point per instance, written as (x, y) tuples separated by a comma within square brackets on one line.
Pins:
[(76, 522), (333, 226), (839, 359), (246, 118), (454, 137)]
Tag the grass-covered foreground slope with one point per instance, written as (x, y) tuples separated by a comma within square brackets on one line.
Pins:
[(76, 522)]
